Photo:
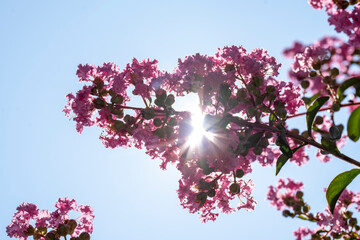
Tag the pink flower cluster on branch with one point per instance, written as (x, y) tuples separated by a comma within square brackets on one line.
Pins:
[(243, 109), (288, 197), (324, 65), (45, 225), (344, 15), (232, 84)]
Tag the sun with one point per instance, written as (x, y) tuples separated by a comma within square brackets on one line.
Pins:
[(198, 133)]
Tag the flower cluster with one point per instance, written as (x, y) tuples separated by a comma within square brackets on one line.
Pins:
[(52, 225), (234, 88), (321, 67), (287, 196), (243, 109), (344, 15)]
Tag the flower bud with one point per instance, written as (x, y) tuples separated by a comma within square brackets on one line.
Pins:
[(117, 99), (316, 65), (84, 236), (318, 120), (63, 230), (172, 122), (281, 112), (313, 74), (229, 67), (201, 197), (327, 80), (157, 122), (29, 231), (306, 208), (336, 235), (334, 72), (234, 188), (148, 113), (299, 195), (286, 213), (270, 89), (257, 81), (295, 131), (334, 133), (304, 84), (305, 134), (99, 103), (342, 4), (335, 106), (348, 214), (170, 100), (211, 193), (118, 125), (72, 225), (297, 208), (239, 173), (289, 201), (352, 222), (50, 236), (271, 96), (41, 230), (99, 82)]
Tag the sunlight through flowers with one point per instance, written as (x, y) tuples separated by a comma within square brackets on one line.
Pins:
[(198, 132)]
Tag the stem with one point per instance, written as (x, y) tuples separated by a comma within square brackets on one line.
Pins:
[(341, 156), (326, 108)]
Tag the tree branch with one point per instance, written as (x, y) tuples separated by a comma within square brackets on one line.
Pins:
[(341, 156)]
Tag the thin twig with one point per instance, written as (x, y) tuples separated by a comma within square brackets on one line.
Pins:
[(324, 109)]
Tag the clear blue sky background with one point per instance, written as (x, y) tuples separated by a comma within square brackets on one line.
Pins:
[(42, 157)]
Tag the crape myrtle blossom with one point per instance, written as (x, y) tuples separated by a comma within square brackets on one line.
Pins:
[(43, 225), (288, 196), (233, 85), (322, 66), (344, 15)]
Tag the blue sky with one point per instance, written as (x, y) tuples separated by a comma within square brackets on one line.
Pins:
[(42, 157)]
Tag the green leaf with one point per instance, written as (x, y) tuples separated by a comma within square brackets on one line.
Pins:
[(357, 87), (345, 85), (284, 145), (280, 163), (337, 186), (353, 125), (329, 144), (313, 110), (254, 139), (272, 119), (310, 100), (283, 159)]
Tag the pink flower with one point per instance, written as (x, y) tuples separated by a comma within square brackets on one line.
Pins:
[(65, 205), (277, 194), (302, 232), (44, 219)]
